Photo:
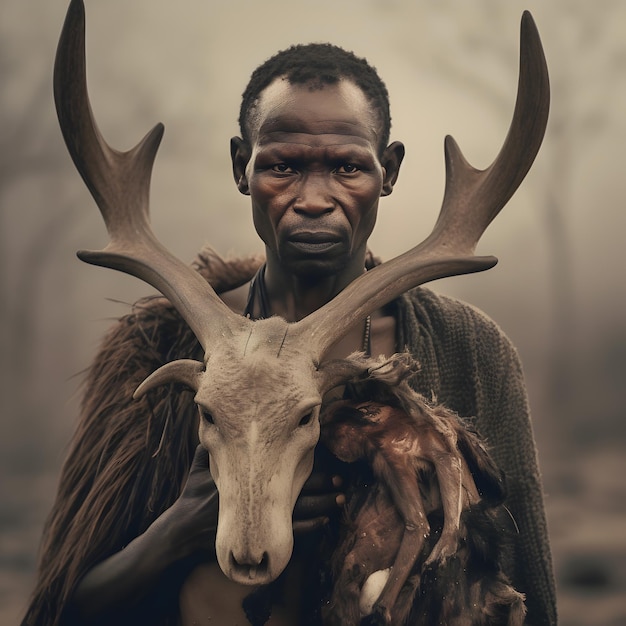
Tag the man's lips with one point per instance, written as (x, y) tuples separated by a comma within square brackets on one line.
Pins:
[(313, 246), (313, 242), (313, 237)]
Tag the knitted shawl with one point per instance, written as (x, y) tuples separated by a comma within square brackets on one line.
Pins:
[(128, 459)]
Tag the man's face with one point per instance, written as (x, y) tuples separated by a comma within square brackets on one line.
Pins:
[(314, 175)]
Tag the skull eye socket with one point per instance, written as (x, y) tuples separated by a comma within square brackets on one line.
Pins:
[(206, 416), (306, 419)]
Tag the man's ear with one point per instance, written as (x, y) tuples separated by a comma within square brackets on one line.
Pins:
[(391, 161), (240, 155)]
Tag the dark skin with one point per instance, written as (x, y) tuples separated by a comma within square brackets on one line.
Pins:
[(315, 173)]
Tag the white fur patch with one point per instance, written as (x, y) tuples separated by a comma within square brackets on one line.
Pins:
[(371, 590)]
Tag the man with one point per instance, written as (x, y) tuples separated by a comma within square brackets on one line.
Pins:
[(123, 543)]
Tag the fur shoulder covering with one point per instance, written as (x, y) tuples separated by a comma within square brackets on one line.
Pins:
[(225, 274)]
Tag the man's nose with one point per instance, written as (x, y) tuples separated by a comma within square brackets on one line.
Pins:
[(314, 195)]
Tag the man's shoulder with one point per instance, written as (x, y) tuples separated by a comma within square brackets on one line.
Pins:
[(450, 322), (226, 273), (426, 303)]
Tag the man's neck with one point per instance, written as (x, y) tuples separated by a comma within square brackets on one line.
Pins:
[(294, 296)]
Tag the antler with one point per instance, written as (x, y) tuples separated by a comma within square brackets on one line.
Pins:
[(120, 184), (471, 201)]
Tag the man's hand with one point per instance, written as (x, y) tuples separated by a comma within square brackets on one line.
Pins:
[(319, 500), (190, 523)]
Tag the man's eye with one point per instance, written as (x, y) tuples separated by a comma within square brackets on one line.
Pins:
[(282, 168), (347, 168)]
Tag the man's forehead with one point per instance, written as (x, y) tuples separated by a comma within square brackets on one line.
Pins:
[(315, 107), (281, 86)]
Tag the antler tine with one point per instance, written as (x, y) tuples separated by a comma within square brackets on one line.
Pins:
[(120, 185), (471, 201)]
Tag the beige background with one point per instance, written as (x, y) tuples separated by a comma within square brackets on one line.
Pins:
[(451, 67)]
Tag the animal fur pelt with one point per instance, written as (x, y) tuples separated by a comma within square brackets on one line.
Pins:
[(444, 562)]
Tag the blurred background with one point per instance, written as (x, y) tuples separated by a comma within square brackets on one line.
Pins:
[(451, 68)]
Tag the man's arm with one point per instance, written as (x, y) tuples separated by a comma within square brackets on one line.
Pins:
[(533, 563), (187, 528)]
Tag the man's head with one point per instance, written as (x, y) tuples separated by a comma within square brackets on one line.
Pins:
[(316, 65), (314, 158)]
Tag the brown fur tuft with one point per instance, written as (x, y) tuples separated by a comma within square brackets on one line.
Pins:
[(403, 438)]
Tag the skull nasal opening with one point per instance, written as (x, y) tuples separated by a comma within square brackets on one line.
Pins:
[(247, 568)]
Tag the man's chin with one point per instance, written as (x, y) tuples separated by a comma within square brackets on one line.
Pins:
[(314, 265)]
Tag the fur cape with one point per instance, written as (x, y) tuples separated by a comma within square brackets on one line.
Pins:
[(128, 460)]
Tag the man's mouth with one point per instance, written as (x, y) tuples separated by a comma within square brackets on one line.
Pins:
[(313, 246), (313, 242)]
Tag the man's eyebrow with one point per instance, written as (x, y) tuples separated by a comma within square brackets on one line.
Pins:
[(284, 144), (295, 151)]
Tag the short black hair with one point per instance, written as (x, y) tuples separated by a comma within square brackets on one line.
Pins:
[(318, 64)]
